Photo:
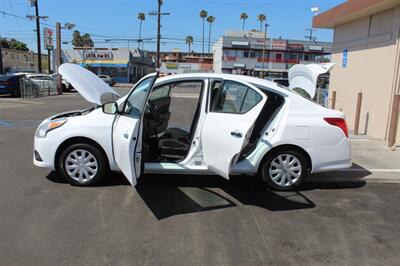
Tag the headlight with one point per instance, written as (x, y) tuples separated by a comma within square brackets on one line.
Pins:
[(49, 125)]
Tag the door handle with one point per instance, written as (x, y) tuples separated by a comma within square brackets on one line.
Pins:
[(236, 134), (126, 135)]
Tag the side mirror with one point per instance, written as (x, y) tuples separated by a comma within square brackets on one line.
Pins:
[(110, 108)]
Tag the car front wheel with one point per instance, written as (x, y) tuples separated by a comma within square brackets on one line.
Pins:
[(82, 164), (284, 170)]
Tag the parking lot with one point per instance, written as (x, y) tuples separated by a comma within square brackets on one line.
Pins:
[(342, 218)]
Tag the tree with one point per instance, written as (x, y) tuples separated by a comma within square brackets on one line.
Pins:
[(141, 17), (189, 41), (203, 15), (261, 18), (14, 44), (79, 40), (210, 20), (243, 17)]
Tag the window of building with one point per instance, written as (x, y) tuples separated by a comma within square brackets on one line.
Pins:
[(246, 54)]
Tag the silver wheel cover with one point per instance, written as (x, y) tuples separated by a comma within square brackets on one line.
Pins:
[(81, 165), (285, 170)]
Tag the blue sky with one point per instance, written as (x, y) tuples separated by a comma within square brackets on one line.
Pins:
[(117, 19)]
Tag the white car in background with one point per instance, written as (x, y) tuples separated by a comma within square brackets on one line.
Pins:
[(239, 125)]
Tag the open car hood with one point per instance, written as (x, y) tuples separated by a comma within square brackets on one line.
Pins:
[(305, 76), (90, 86)]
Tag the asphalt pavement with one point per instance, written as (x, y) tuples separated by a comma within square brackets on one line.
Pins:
[(342, 218)]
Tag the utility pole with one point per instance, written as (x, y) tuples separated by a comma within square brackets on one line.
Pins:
[(263, 51), (38, 18), (1, 59), (39, 52), (58, 56), (158, 14), (158, 32)]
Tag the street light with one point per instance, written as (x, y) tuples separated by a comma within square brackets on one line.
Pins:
[(67, 26)]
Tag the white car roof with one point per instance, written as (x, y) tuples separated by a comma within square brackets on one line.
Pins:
[(253, 80)]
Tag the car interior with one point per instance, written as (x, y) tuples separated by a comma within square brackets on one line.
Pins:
[(167, 129), (173, 109)]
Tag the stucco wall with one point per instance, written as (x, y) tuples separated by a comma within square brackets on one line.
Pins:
[(371, 65)]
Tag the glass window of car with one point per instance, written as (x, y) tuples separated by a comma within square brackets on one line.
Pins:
[(136, 100), (234, 97), (160, 92)]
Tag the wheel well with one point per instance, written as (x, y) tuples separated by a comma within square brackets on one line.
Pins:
[(286, 147), (76, 140)]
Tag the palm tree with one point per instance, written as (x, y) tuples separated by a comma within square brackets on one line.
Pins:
[(261, 18), (189, 41), (203, 15), (243, 16), (141, 16), (210, 19)]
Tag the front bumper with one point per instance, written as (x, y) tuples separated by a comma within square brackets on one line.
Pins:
[(45, 149)]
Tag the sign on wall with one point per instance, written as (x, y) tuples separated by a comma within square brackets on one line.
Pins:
[(279, 44), (97, 55), (344, 58), (48, 39)]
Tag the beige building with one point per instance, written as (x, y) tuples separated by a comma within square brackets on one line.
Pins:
[(366, 50), (21, 61)]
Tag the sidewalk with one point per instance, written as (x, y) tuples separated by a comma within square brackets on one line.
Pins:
[(373, 161)]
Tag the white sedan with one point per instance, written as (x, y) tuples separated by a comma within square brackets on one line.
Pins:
[(193, 124)]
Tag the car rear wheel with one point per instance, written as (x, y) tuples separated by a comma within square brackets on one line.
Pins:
[(284, 170), (82, 164)]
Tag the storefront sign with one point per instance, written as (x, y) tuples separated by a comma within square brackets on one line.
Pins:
[(279, 44), (185, 65), (257, 43), (171, 65), (239, 65), (238, 43), (314, 48), (97, 55), (48, 39), (295, 46)]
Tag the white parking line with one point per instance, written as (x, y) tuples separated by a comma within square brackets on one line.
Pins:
[(369, 170)]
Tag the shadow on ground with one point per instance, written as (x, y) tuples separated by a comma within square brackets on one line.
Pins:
[(169, 195)]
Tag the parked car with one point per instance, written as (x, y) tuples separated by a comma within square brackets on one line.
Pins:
[(43, 83), (107, 79), (65, 85), (241, 125), (10, 84)]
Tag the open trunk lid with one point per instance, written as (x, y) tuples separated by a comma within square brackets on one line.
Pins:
[(305, 77)]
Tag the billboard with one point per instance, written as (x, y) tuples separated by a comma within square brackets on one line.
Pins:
[(48, 39)]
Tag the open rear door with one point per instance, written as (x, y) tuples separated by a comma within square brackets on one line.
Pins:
[(233, 109), (127, 129)]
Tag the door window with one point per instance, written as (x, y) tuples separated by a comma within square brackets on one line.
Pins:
[(160, 92), (235, 98), (136, 100)]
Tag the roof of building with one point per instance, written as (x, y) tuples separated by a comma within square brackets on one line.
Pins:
[(350, 11)]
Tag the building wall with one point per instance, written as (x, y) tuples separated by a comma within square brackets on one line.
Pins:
[(371, 44), (21, 61)]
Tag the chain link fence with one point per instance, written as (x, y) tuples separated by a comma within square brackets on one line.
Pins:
[(31, 88)]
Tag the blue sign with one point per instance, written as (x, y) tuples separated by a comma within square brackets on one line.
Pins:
[(344, 58)]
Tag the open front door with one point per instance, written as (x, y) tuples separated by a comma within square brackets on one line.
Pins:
[(127, 129), (234, 108)]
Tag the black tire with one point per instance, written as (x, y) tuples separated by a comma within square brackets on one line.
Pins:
[(99, 157), (281, 176)]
